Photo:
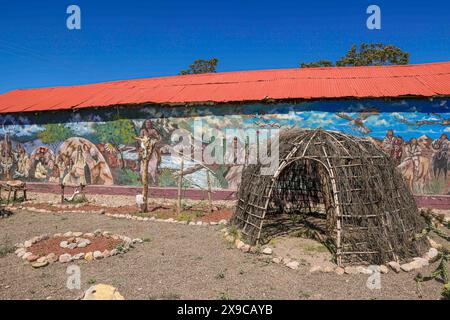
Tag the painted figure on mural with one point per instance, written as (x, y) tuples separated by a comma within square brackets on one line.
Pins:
[(22, 162), (393, 146), (148, 131), (415, 167), (61, 166), (388, 142), (41, 163), (76, 175), (413, 153), (6, 157), (441, 159)]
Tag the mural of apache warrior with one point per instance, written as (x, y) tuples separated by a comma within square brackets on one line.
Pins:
[(100, 147)]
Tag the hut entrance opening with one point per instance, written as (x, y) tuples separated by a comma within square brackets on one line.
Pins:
[(302, 203)]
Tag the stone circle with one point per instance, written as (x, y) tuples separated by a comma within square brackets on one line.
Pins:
[(74, 246)]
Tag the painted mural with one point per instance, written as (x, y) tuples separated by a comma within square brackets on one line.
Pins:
[(99, 146)]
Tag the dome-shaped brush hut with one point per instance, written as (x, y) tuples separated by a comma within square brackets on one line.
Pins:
[(340, 188)]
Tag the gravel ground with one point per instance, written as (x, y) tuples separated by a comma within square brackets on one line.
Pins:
[(118, 200), (179, 262)]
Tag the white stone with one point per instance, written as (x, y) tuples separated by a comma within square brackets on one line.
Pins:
[(137, 240), (41, 259), (394, 265), (277, 260), (77, 234), (213, 223), (293, 265), (267, 250), (434, 244), (68, 234), (21, 253), (64, 244), (286, 260), (383, 269), (65, 258), (431, 254), (199, 223), (223, 221), (424, 262), (82, 244), (417, 263), (98, 255), (38, 264), (51, 257), (339, 271), (26, 255), (19, 250), (363, 270), (113, 252), (239, 244), (351, 270), (78, 256), (27, 244), (315, 269), (72, 246)]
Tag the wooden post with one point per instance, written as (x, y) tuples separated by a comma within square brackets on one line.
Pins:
[(62, 193), (145, 185), (180, 186), (208, 180)]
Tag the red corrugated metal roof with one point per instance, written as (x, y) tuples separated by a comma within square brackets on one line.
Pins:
[(425, 80)]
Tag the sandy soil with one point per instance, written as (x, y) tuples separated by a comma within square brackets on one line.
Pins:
[(118, 200), (187, 262)]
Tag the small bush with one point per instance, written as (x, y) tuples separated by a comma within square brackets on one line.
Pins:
[(6, 247), (224, 296)]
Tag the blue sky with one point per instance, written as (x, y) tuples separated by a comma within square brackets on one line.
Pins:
[(135, 39)]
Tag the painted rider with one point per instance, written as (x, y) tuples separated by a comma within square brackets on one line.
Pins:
[(441, 148), (441, 144), (413, 152), (388, 142)]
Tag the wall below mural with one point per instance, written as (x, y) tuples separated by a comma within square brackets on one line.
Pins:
[(99, 146)]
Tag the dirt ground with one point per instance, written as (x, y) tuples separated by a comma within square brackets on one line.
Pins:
[(180, 262)]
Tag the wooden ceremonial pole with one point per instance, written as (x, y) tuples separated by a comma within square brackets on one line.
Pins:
[(208, 180), (145, 185), (180, 185)]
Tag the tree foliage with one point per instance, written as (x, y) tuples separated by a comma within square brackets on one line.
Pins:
[(117, 132), (54, 133), (373, 54), (201, 66), (317, 64)]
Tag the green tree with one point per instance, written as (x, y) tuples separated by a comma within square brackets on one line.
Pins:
[(201, 66), (373, 54), (317, 64), (117, 132), (53, 134)]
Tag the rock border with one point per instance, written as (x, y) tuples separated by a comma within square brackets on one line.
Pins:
[(266, 251), (39, 262), (118, 215)]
